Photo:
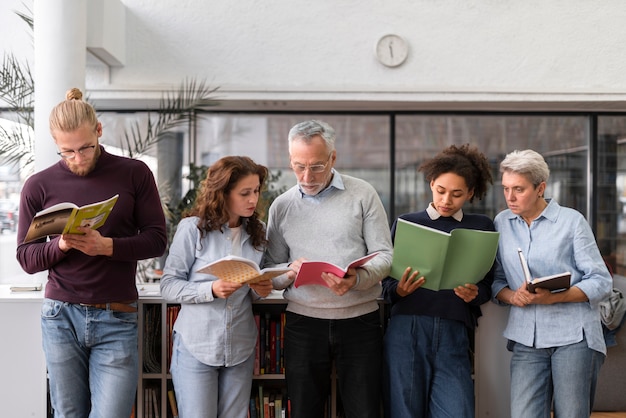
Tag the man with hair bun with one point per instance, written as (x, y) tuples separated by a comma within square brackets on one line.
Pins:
[(89, 314)]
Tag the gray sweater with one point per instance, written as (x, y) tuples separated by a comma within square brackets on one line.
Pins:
[(340, 224)]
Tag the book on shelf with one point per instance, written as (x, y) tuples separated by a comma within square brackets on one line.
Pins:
[(311, 271), (241, 270), (152, 340), (252, 408), (65, 218), (554, 282), (271, 406), (446, 260), (272, 356), (278, 403), (155, 404), (268, 402), (257, 348), (260, 411), (35, 287), (172, 401), (172, 314), (267, 360), (269, 350)]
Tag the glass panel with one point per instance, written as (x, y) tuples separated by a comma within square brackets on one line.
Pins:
[(363, 150), (611, 192), (362, 144), (16, 163), (561, 140)]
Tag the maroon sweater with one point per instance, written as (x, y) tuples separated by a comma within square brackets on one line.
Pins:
[(136, 224)]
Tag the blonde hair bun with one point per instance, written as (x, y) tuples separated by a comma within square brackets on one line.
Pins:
[(74, 94)]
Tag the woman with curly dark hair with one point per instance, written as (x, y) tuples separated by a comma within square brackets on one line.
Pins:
[(215, 333), (427, 364)]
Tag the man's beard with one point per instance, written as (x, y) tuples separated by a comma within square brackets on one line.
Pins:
[(83, 170)]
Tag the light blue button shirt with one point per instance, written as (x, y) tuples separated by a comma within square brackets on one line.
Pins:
[(336, 182), (559, 240), (218, 332)]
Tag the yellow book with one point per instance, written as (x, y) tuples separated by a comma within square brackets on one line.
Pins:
[(64, 218), (241, 270)]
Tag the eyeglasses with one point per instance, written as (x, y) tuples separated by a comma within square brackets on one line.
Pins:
[(83, 151), (315, 168)]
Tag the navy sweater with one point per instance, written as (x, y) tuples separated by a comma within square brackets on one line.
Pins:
[(443, 303)]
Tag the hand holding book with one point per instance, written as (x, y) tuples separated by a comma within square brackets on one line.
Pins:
[(554, 282), (65, 218), (446, 260), (311, 271), (241, 270)]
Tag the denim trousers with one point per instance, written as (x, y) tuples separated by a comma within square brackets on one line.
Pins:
[(560, 377), (92, 360), (204, 391), (427, 368), (354, 345)]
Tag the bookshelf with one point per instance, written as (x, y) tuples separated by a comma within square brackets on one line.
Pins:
[(268, 386), (155, 381), (156, 318)]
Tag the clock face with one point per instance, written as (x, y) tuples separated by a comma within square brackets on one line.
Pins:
[(392, 50)]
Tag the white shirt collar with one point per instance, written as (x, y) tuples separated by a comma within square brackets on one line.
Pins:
[(433, 214)]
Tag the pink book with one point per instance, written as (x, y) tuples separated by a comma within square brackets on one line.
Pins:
[(311, 271), (257, 350)]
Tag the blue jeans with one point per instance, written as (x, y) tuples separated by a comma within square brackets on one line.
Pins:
[(204, 391), (92, 356), (354, 345), (427, 368), (564, 375)]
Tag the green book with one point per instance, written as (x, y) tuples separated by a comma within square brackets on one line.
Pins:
[(446, 260)]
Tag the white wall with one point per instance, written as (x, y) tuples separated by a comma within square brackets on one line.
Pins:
[(275, 54)]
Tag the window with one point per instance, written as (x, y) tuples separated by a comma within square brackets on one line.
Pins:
[(385, 149)]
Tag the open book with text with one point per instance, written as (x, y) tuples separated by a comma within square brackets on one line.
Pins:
[(311, 271), (65, 218), (241, 270), (446, 260), (554, 282)]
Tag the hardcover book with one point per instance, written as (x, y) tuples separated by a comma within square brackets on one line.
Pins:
[(446, 260), (64, 218), (26, 287), (554, 283)]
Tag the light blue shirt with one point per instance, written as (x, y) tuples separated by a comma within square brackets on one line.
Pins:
[(559, 240), (218, 332)]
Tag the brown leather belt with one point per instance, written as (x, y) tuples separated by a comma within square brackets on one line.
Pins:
[(113, 306)]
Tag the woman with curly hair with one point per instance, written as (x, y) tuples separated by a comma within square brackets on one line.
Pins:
[(215, 333), (427, 363)]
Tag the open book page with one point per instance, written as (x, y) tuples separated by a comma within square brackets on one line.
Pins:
[(311, 271), (554, 282), (91, 216), (241, 270), (446, 260), (64, 218)]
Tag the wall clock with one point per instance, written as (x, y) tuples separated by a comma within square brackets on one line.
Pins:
[(392, 50)]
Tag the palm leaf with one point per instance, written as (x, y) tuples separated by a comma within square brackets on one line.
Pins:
[(18, 92), (175, 109)]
